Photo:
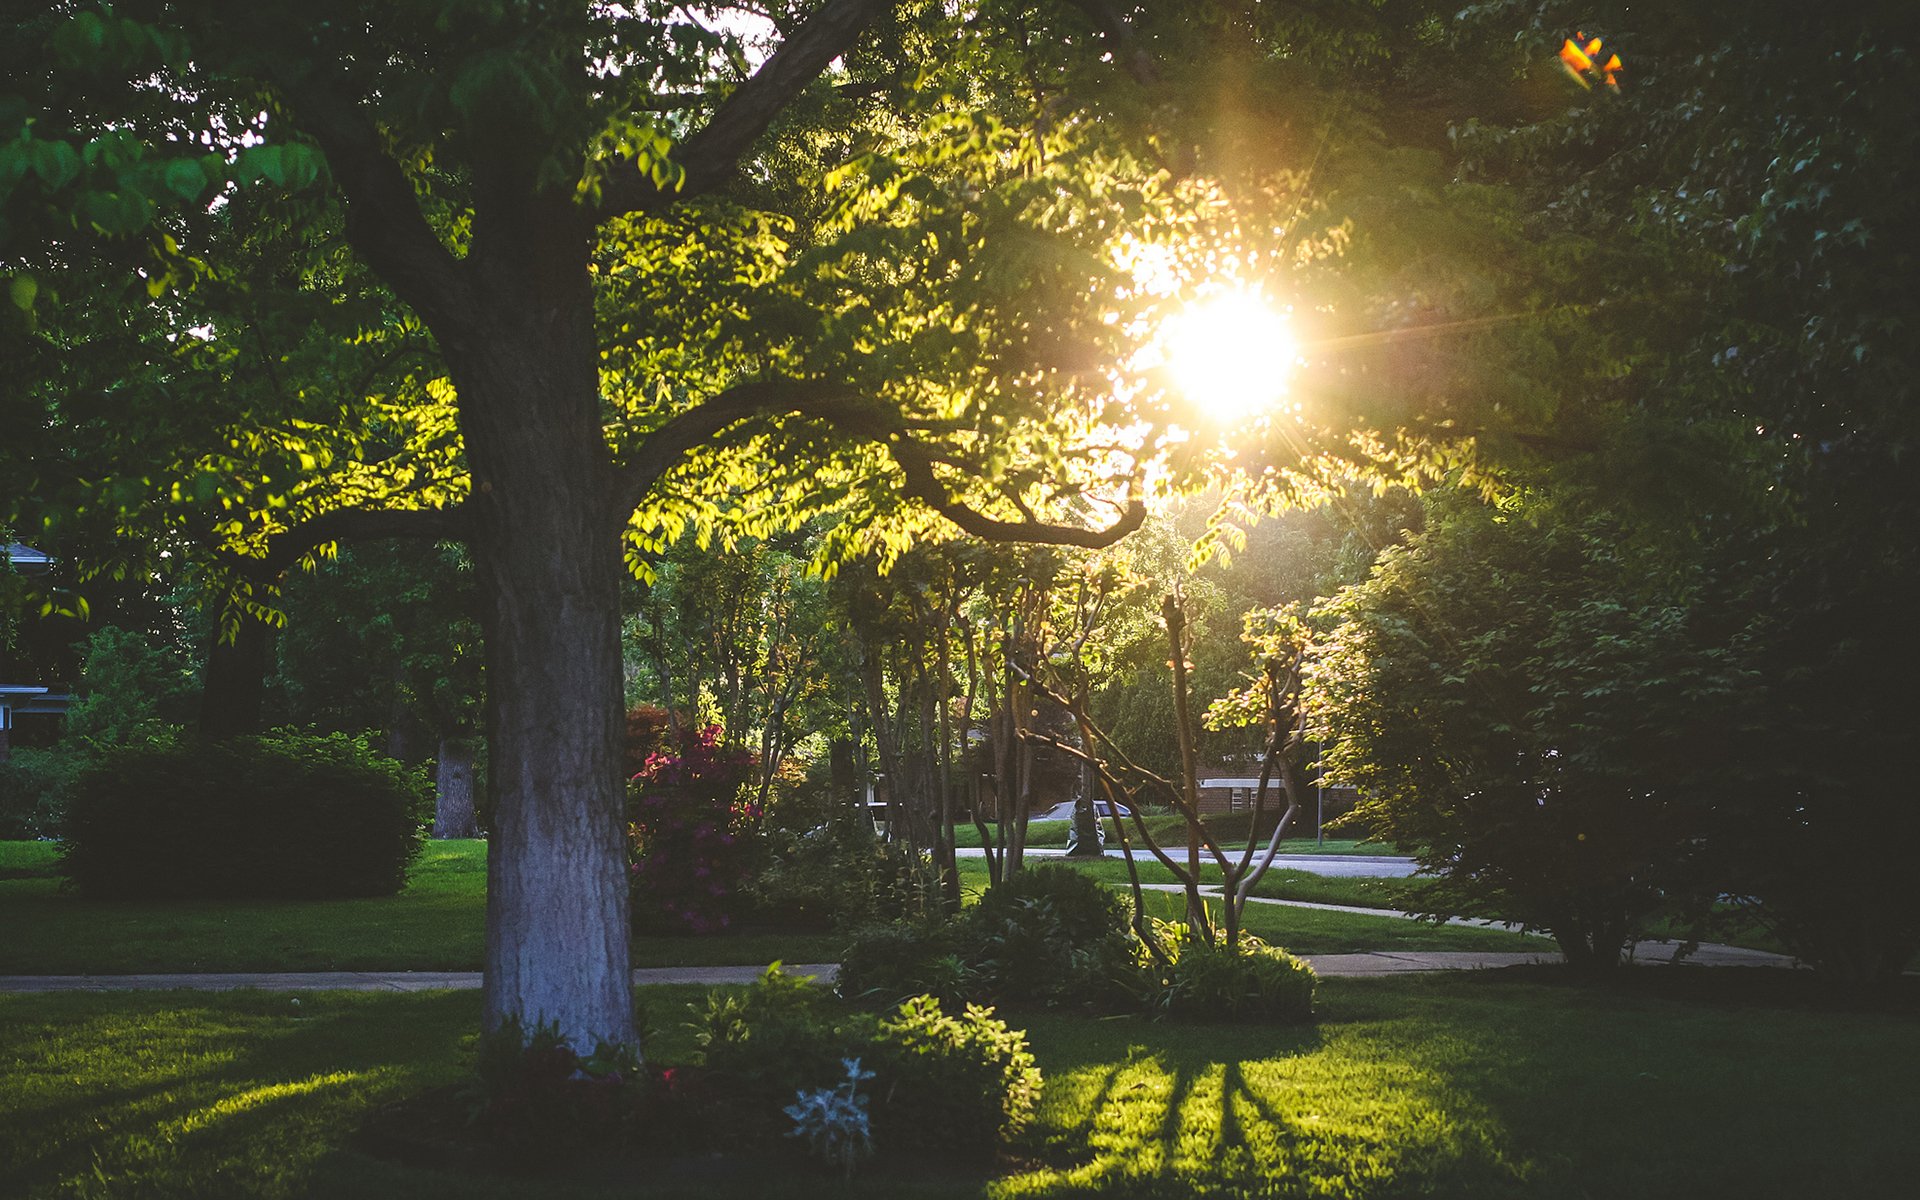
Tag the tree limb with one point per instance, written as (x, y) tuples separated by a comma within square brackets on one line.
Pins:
[(1127, 50), (710, 155), (385, 225), (916, 463), (663, 449), (348, 524)]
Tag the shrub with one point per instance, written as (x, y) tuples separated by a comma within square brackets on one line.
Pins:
[(942, 1084), (1052, 934), (536, 1101), (1255, 982), (885, 964), (839, 876), (281, 815), (33, 790), (687, 830), (761, 1046), (959, 1085)]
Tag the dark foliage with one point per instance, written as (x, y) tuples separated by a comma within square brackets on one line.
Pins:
[(279, 815), (1048, 935), (1252, 982), (944, 1084)]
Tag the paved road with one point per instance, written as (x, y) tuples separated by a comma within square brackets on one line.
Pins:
[(1344, 865)]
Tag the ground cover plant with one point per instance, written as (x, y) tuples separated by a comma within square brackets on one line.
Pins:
[(434, 925), (1493, 1084)]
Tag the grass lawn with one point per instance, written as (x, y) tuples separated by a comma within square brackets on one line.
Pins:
[(1495, 1084), (436, 924), (1302, 930)]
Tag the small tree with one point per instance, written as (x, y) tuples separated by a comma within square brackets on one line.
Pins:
[(1521, 701)]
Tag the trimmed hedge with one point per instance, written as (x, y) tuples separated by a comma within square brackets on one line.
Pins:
[(282, 815)]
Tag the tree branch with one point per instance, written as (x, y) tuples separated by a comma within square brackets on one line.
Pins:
[(663, 449), (710, 155), (916, 463), (1127, 50), (348, 524), (855, 414), (385, 225)]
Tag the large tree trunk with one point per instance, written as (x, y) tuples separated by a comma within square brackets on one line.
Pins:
[(547, 551)]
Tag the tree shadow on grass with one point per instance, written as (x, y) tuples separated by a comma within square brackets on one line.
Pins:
[(174, 1093)]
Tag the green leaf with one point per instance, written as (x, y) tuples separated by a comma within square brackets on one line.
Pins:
[(22, 289), (265, 162), (299, 167), (55, 163), (185, 179)]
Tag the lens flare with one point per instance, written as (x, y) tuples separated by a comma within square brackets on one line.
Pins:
[(1231, 355)]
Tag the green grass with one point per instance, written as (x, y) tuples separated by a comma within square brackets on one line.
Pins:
[(1488, 1085), (1284, 884), (1303, 930), (436, 924)]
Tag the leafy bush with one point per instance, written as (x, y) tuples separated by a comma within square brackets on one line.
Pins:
[(839, 876), (280, 815), (536, 1101), (687, 829), (959, 1085), (1255, 982), (760, 1046), (885, 964), (1049, 934), (941, 1084), (1054, 934), (33, 790)]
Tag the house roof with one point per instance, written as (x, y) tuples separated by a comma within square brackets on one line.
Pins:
[(25, 558)]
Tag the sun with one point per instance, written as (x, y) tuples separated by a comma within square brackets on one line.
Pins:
[(1231, 354)]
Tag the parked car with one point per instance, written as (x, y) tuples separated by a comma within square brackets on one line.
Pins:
[(1064, 811)]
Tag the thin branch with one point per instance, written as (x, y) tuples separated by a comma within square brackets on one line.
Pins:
[(710, 156)]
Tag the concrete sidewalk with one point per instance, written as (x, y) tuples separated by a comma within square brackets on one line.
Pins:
[(1377, 962)]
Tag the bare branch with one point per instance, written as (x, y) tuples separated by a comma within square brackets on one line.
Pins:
[(710, 156)]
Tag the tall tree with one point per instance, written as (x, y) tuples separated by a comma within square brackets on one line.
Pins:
[(645, 315), (522, 178)]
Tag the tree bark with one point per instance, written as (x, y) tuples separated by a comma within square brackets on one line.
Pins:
[(234, 687), (453, 808), (546, 545)]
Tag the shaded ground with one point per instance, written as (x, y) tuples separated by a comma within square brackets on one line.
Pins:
[(1664, 1084)]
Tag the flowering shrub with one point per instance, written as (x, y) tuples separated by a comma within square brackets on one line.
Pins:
[(687, 824)]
